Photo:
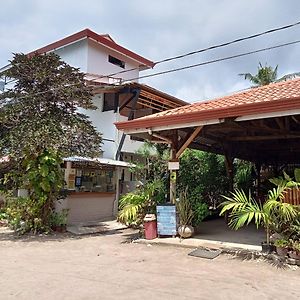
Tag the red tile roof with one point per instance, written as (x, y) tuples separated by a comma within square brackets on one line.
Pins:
[(104, 39), (266, 99)]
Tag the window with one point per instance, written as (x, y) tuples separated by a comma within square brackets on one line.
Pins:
[(109, 102), (91, 179), (116, 61)]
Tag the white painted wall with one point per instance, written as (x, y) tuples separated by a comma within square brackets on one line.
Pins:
[(104, 123), (92, 58), (75, 54), (98, 62)]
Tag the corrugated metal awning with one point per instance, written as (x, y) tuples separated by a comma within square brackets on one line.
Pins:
[(103, 161)]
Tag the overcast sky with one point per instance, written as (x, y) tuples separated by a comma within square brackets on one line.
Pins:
[(157, 29)]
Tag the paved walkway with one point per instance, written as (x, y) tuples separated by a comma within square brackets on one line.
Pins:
[(109, 266), (218, 230)]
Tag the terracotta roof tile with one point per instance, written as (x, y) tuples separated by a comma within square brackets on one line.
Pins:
[(268, 98), (268, 93)]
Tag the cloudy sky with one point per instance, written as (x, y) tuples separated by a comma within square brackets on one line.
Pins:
[(158, 29)]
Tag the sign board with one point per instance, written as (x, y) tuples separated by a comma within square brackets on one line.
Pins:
[(166, 219), (173, 165)]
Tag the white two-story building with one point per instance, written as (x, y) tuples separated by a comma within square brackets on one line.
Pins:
[(112, 70)]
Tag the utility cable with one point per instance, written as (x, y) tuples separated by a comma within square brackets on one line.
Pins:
[(212, 61), (179, 69), (211, 47), (204, 49)]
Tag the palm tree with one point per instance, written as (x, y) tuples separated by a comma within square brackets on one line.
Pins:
[(266, 75), (274, 214)]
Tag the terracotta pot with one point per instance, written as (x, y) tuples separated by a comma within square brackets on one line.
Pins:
[(61, 228), (294, 255), (185, 231), (282, 251)]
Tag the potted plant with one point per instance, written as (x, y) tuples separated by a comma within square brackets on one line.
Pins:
[(295, 250), (282, 247), (185, 214), (272, 215), (59, 221)]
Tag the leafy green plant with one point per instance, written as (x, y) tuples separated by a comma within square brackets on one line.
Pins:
[(201, 211), (23, 215), (135, 205), (204, 175), (295, 246), (3, 216), (59, 218), (282, 243), (292, 231), (265, 75), (41, 123), (274, 214), (243, 179), (184, 209)]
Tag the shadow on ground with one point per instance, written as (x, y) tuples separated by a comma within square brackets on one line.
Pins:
[(218, 230), (10, 236)]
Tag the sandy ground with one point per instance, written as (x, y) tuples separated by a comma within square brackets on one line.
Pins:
[(110, 267)]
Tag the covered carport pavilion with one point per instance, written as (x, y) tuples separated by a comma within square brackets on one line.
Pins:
[(261, 125)]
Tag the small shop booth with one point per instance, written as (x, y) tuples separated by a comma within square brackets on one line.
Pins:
[(93, 189)]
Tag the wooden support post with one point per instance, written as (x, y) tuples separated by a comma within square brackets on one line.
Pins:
[(173, 173), (258, 169), (229, 170)]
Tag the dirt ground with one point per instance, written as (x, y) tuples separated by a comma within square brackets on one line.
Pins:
[(110, 267)]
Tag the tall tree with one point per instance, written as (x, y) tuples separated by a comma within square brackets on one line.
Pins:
[(41, 110), (266, 75), (41, 123)]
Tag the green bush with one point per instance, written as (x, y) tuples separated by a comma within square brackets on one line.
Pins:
[(204, 175), (135, 205), (23, 215), (58, 218), (201, 211)]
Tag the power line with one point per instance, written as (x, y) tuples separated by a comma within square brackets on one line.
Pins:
[(203, 50), (230, 43), (176, 69), (212, 61), (212, 47)]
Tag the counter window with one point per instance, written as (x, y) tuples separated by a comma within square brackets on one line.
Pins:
[(91, 180)]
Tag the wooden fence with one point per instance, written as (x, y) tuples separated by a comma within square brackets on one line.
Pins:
[(292, 196)]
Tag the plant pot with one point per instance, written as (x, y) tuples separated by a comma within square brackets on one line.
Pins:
[(294, 255), (185, 231), (282, 251), (61, 228), (267, 248)]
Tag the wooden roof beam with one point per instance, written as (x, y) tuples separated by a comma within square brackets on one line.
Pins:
[(189, 139)]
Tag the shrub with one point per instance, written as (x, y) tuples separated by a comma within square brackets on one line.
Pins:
[(23, 215), (201, 211), (282, 243), (135, 205)]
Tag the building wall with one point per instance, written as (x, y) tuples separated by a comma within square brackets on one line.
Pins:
[(98, 62), (97, 207), (75, 55), (92, 58)]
